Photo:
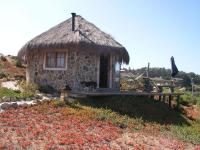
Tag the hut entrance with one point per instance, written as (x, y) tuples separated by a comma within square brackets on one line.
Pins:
[(104, 71)]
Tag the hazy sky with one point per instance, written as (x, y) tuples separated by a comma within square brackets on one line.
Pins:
[(151, 30)]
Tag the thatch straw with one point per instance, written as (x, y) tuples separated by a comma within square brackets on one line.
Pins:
[(86, 35)]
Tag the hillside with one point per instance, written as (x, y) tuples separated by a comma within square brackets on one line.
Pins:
[(10, 67), (166, 74)]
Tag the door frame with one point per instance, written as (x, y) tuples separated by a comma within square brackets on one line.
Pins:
[(109, 72)]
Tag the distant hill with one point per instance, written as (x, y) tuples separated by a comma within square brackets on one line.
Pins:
[(9, 67), (166, 74)]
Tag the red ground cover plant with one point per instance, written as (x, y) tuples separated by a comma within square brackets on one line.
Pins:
[(39, 127), (47, 127)]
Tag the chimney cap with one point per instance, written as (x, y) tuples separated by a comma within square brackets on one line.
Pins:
[(73, 14)]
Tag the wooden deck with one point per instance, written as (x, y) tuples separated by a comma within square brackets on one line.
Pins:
[(115, 93)]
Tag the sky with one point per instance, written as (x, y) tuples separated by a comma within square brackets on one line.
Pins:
[(151, 30)]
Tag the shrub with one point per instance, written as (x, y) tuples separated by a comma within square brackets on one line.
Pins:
[(3, 58), (19, 77), (187, 99), (48, 89), (2, 74), (57, 103), (18, 63), (28, 88), (12, 93), (1, 66)]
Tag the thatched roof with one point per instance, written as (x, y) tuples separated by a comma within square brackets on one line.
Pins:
[(86, 35)]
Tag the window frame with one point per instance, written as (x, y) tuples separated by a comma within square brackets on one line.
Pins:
[(45, 67)]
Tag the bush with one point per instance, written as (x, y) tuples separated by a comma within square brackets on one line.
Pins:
[(3, 58), (2, 75), (187, 99), (28, 88), (18, 63), (48, 89), (19, 77), (12, 93), (58, 103)]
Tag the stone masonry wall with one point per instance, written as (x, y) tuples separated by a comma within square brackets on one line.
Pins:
[(81, 66)]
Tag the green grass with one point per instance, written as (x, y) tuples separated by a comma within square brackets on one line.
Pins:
[(140, 113), (122, 121), (189, 133), (12, 93)]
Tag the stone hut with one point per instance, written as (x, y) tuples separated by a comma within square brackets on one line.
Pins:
[(74, 52)]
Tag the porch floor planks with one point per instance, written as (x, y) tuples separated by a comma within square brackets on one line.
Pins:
[(109, 93)]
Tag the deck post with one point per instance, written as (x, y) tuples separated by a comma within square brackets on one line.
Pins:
[(163, 99), (178, 102), (160, 97), (64, 95), (170, 100)]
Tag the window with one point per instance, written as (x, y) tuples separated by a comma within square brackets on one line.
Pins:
[(117, 71), (55, 60), (60, 58), (50, 63)]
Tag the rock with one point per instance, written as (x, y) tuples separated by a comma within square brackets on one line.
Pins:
[(195, 107), (55, 95), (5, 106), (32, 98), (12, 79), (6, 99), (37, 97), (4, 79), (13, 99), (28, 99), (19, 77), (14, 105), (71, 100), (10, 85), (35, 101), (37, 92), (24, 105), (49, 95), (45, 98), (40, 96)]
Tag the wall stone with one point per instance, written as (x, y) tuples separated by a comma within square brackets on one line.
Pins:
[(81, 66)]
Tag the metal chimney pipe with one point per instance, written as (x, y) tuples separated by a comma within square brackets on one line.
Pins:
[(73, 21)]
